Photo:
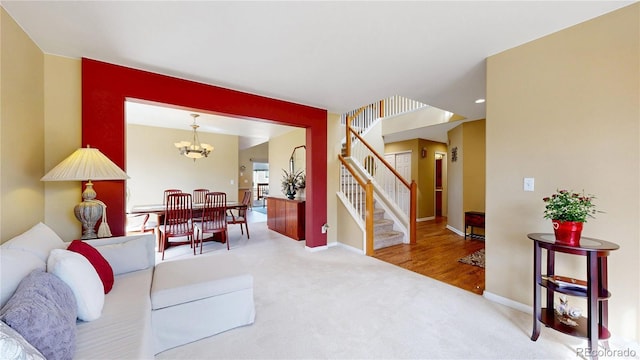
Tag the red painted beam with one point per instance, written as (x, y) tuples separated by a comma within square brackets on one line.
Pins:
[(105, 87)]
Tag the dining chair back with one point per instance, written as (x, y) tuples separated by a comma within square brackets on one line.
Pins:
[(247, 198), (177, 221), (169, 192), (214, 219), (240, 217), (198, 195)]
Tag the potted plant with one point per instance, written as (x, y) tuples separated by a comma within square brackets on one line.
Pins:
[(302, 184), (568, 211), (290, 182)]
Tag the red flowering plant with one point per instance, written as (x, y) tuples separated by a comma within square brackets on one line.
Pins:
[(569, 206)]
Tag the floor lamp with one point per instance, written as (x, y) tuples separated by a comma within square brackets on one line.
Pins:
[(86, 164)]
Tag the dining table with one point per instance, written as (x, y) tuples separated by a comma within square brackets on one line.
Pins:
[(159, 210)]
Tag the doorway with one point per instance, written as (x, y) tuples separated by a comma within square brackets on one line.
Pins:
[(260, 184), (440, 174)]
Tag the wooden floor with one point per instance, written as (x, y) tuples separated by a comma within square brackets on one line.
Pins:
[(436, 255)]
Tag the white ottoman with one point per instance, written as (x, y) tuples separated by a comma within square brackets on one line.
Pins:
[(199, 297)]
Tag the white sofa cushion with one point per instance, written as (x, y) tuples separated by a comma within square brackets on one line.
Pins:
[(77, 272), (124, 329), (129, 255), (39, 240), (15, 265)]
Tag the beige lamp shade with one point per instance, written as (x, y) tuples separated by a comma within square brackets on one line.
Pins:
[(85, 164)]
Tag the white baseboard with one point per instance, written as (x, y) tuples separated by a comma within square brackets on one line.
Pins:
[(455, 230), (426, 218), (317, 248), (350, 248), (508, 302)]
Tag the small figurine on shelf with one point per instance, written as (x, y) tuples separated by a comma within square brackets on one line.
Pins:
[(567, 314), (564, 304)]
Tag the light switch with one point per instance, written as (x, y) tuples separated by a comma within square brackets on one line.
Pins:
[(232, 181), (529, 184)]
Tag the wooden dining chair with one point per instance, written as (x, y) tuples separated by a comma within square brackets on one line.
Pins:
[(169, 192), (198, 195), (140, 223), (214, 219), (240, 216), (177, 222)]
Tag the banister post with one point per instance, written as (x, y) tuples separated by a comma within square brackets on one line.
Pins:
[(369, 217), (413, 204), (347, 151), (381, 115)]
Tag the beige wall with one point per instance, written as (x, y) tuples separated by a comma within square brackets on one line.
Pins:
[(280, 149), (335, 133), (466, 176), (564, 109), (348, 232), (154, 164), (455, 181), (474, 148), (22, 132), (62, 120)]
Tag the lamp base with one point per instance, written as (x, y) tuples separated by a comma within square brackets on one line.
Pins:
[(88, 213)]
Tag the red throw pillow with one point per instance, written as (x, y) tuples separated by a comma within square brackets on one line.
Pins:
[(104, 270)]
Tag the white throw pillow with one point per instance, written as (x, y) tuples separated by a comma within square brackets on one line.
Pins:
[(39, 240), (127, 256), (77, 272), (15, 265)]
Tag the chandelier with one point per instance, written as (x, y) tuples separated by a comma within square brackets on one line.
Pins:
[(194, 149)]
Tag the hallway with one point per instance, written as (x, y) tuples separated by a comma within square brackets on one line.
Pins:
[(436, 255)]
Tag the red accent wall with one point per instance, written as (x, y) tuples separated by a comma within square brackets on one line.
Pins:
[(105, 87)]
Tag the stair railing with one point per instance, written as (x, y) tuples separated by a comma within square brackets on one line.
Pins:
[(400, 192), (361, 119), (360, 195)]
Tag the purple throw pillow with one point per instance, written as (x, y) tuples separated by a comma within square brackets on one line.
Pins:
[(43, 310)]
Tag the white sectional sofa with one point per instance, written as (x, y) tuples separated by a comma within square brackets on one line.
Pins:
[(123, 329)]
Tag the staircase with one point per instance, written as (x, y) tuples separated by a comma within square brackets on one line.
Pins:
[(384, 234), (377, 196)]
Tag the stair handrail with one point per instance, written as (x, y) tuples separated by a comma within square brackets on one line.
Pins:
[(348, 126), (368, 189), (411, 186)]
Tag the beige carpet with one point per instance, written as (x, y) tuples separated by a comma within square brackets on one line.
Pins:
[(338, 304)]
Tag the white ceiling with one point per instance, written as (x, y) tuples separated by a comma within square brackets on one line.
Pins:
[(327, 54)]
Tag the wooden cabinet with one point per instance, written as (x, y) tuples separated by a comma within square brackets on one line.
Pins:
[(473, 219), (286, 217)]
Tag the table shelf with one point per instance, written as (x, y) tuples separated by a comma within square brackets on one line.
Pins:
[(602, 295), (549, 318)]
